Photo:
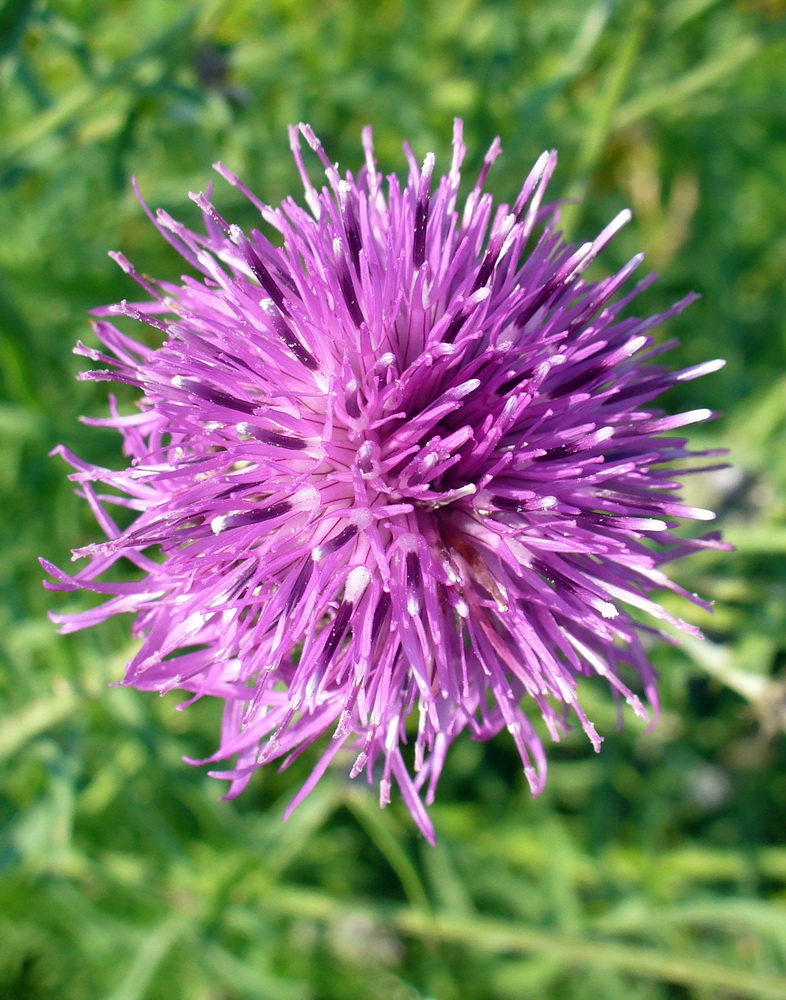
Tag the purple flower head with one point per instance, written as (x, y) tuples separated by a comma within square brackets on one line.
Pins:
[(395, 475)]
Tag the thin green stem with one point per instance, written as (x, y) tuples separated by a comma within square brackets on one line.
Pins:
[(499, 936), (601, 124)]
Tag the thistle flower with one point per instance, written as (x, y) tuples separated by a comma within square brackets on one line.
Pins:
[(396, 475)]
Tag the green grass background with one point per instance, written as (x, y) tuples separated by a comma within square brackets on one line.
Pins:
[(655, 870)]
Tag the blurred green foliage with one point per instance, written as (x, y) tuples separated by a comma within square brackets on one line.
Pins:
[(655, 870)]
